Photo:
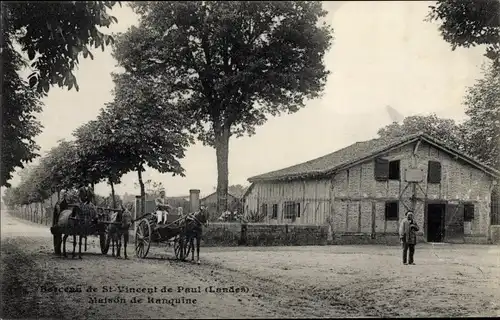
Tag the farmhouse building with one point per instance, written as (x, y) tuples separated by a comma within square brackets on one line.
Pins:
[(366, 188)]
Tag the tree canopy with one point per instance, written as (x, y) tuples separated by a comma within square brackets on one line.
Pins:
[(470, 23), (482, 103), (20, 103), (228, 64), (443, 129), (53, 36)]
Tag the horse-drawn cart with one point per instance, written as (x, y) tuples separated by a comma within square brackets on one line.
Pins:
[(94, 221), (173, 230), (180, 230)]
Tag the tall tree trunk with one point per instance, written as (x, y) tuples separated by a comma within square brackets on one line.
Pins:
[(222, 152), (113, 193), (58, 195), (143, 192)]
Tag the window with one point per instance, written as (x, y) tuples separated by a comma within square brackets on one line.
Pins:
[(275, 212), (290, 211), (468, 212), (394, 170), (298, 209), (387, 170), (263, 209), (391, 210), (434, 172), (381, 169)]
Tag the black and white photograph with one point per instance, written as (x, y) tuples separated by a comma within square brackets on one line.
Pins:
[(250, 159)]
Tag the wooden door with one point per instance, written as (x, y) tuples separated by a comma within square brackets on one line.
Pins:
[(454, 223)]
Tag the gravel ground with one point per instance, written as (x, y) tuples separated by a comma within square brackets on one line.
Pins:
[(329, 281)]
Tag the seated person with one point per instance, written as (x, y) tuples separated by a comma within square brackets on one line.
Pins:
[(162, 207)]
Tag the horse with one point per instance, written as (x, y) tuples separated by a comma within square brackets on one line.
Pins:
[(194, 231), (75, 220), (118, 229)]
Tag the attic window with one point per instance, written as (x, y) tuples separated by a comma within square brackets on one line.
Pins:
[(387, 170), (434, 172), (394, 170), (381, 169)]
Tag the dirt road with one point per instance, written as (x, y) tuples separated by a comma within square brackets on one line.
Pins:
[(331, 281)]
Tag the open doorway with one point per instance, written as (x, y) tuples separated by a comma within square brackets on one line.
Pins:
[(435, 222)]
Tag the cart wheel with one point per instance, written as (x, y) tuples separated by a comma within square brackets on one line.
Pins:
[(142, 239), (104, 241), (57, 239)]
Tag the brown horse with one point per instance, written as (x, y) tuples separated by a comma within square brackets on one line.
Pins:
[(75, 220), (120, 229), (194, 230)]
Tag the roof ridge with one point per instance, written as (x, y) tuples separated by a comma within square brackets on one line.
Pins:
[(361, 150), (386, 140)]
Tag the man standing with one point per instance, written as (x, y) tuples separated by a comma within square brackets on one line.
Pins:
[(162, 207), (408, 236)]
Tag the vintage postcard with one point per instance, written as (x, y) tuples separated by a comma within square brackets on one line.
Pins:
[(250, 159)]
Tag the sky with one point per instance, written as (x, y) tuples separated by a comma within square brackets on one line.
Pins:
[(383, 54)]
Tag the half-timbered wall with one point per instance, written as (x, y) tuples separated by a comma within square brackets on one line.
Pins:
[(313, 197), (356, 201)]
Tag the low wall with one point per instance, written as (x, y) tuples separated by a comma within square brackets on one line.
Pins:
[(254, 234), (231, 234)]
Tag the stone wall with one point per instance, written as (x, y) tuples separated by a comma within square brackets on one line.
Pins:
[(234, 234)]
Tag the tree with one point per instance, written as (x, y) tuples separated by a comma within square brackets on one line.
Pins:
[(53, 36), (445, 130), (228, 64), (12, 198), (64, 166), (482, 129), (100, 156), (152, 188), (470, 23), (19, 126), (236, 190), (146, 128)]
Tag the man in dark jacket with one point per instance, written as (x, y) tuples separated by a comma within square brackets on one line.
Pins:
[(408, 235), (85, 194)]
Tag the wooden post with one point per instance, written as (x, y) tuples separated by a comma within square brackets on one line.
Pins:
[(413, 184), (374, 208), (194, 200), (136, 208)]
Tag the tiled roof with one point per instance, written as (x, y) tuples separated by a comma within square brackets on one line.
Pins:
[(349, 155)]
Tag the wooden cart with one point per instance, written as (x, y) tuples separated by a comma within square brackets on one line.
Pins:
[(172, 231)]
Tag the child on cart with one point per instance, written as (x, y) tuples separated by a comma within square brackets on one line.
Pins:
[(162, 208)]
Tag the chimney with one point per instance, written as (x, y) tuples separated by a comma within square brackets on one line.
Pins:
[(194, 200)]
